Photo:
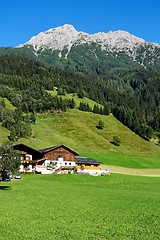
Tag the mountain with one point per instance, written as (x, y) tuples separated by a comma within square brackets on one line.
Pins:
[(64, 45), (67, 36), (116, 69)]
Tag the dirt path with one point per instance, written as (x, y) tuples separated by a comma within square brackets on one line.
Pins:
[(134, 171)]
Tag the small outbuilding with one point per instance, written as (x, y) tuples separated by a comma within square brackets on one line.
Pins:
[(87, 163)]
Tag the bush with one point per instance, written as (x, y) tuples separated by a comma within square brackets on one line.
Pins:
[(100, 124), (116, 141)]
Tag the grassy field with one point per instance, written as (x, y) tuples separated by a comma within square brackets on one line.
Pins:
[(3, 134), (147, 172), (77, 100), (77, 130), (129, 161), (80, 207), (8, 104)]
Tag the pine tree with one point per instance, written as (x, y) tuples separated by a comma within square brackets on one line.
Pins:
[(106, 109)]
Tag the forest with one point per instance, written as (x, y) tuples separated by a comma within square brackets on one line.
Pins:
[(131, 95)]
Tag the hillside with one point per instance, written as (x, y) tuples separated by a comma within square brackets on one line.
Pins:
[(3, 134), (77, 100), (78, 130), (132, 96)]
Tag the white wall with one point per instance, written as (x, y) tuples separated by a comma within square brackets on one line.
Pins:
[(60, 163)]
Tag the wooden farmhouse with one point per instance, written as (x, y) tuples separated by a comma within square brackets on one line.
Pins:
[(56, 159)]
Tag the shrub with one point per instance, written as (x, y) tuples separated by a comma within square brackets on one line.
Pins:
[(100, 124), (116, 141)]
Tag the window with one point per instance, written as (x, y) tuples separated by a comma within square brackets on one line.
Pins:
[(60, 158)]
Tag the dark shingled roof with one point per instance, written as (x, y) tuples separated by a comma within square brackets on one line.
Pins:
[(86, 160), (45, 150), (25, 148)]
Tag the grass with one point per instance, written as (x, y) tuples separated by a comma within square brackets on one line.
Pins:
[(80, 207), (129, 161), (8, 104), (4, 133), (77, 130), (77, 100), (148, 172)]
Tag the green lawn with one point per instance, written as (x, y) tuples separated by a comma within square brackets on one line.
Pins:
[(80, 207), (128, 161)]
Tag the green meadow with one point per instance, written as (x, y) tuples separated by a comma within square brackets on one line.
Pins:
[(77, 100), (77, 130), (80, 207), (3, 134), (129, 161), (8, 104)]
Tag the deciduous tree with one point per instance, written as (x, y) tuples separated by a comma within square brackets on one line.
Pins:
[(9, 159)]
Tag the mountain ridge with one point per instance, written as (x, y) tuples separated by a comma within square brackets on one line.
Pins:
[(100, 36), (62, 41), (66, 36)]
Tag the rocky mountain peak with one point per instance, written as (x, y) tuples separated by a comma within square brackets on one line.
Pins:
[(66, 36)]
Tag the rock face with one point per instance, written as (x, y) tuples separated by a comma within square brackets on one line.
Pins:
[(54, 38), (65, 37)]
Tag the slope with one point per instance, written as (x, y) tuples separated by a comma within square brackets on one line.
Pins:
[(78, 130), (3, 134)]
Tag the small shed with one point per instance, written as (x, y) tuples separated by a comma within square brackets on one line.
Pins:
[(87, 163)]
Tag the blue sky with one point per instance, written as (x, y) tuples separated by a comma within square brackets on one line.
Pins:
[(22, 19)]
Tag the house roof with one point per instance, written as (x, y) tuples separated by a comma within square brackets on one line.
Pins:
[(25, 148), (46, 150), (39, 160), (86, 160), (35, 161)]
